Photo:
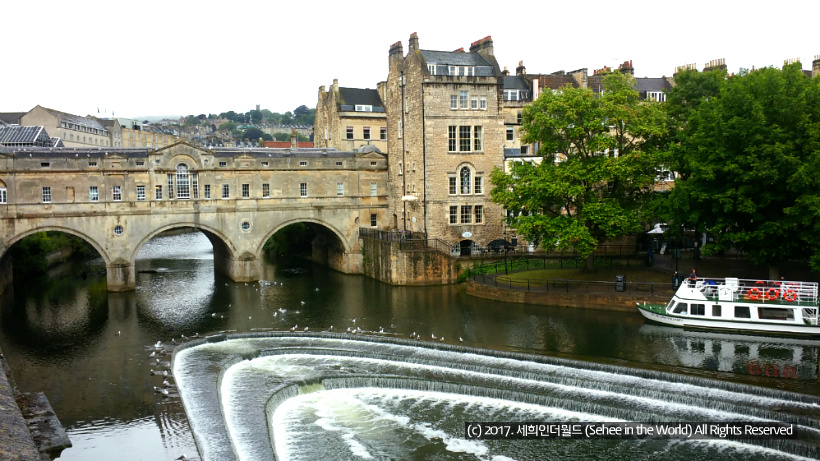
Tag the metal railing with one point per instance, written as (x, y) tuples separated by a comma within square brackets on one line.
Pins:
[(574, 286)]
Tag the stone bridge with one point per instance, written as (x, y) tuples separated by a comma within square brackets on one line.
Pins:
[(118, 199)]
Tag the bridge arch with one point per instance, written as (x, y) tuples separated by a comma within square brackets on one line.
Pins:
[(10, 241), (346, 244), (214, 235)]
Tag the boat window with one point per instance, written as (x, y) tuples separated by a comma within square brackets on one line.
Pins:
[(669, 306), (681, 308), (716, 310), (698, 309), (742, 312), (775, 313)]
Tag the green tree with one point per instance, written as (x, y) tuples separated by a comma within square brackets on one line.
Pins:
[(192, 120), (281, 136), (253, 134), (227, 126), (748, 152), (598, 165)]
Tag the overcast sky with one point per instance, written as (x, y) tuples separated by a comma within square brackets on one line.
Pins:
[(151, 57)]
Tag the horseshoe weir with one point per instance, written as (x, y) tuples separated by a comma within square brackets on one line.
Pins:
[(307, 396)]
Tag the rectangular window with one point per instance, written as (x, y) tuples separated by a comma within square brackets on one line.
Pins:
[(340, 188), (407, 104), (525, 150), (477, 138), (349, 132), (207, 191), (3, 195), (697, 309), (479, 214), (366, 132), (451, 136), (374, 191), (140, 193), (401, 169), (246, 190), (116, 193), (223, 163), (742, 312), (92, 163), (716, 310), (462, 99), (466, 214), (464, 139), (453, 187), (383, 133), (483, 102), (226, 191), (45, 164), (170, 186), (158, 192), (195, 184), (400, 128), (93, 194), (477, 189), (265, 190), (453, 101), (453, 215), (474, 102), (303, 189), (372, 219), (303, 163), (510, 133), (518, 119), (264, 163), (338, 163)]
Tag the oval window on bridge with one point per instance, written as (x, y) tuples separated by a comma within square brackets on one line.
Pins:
[(246, 225), (118, 230)]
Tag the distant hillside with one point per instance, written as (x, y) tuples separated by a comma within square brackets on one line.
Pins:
[(155, 118)]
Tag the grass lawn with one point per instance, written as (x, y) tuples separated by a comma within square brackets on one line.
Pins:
[(605, 274)]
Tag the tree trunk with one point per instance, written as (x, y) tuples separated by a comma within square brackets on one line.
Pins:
[(774, 272), (589, 264)]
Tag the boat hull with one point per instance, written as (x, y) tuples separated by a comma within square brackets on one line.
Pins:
[(729, 325)]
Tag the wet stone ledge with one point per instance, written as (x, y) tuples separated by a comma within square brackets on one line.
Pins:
[(39, 438)]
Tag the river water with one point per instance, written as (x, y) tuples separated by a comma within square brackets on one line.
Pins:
[(90, 351)]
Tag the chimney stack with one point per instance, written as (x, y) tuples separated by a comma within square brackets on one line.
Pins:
[(293, 138), (715, 64), (815, 66), (626, 68), (505, 72), (413, 44), (520, 70), (483, 46)]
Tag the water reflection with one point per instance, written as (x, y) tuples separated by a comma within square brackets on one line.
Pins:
[(88, 349)]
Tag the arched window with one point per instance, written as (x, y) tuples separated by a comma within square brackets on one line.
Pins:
[(466, 176), (183, 182)]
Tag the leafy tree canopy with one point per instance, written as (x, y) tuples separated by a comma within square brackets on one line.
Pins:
[(227, 126), (748, 152), (597, 169), (253, 134)]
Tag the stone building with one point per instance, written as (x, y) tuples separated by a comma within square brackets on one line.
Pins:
[(74, 130), (445, 136), (349, 118)]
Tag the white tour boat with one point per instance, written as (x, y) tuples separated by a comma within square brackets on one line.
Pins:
[(769, 306)]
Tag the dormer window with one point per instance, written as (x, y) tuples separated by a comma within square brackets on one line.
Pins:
[(431, 68), (462, 71), (364, 108)]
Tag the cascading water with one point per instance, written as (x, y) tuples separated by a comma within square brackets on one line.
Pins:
[(310, 396)]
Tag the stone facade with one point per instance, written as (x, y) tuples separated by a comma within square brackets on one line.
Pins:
[(118, 199), (349, 119), (75, 131), (445, 136)]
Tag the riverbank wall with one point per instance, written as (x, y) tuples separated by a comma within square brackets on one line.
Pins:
[(386, 262), (607, 300)]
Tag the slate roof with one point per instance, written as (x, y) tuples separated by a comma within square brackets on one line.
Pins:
[(455, 59), (76, 119), (652, 84), (358, 96), (12, 118), (15, 135), (516, 82)]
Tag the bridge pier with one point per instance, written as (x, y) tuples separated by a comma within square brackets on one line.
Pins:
[(120, 276)]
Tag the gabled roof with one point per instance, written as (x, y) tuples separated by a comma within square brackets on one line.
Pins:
[(76, 119), (555, 82), (358, 96)]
